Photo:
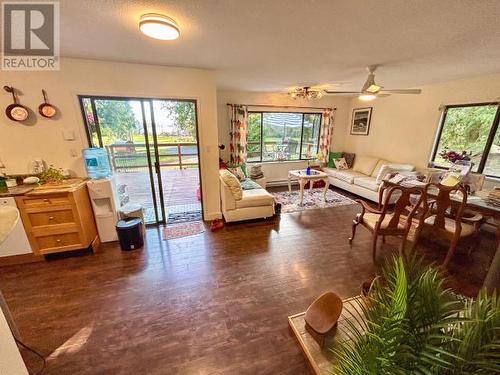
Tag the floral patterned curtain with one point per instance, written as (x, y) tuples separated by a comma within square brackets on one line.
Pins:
[(327, 118), (238, 134)]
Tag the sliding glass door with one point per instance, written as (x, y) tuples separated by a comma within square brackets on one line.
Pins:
[(153, 150)]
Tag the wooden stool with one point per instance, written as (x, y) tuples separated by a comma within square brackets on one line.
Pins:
[(322, 316)]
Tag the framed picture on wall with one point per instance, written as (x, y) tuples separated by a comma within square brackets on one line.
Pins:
[(361, 118)]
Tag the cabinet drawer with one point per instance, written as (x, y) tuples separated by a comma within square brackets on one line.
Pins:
[(44, 201), (54, 242), (51, 217)]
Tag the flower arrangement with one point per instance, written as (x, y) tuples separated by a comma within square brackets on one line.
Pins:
[(453, 156)]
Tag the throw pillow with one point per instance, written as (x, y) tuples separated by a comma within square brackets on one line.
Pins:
[(364, 164), (238, 172), (341, 164), (232, 183), (349, 158), (332, 156), (382, 172)]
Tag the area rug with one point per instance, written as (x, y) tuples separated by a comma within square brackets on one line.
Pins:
[(183, 230), (183, 217), (312, 200)]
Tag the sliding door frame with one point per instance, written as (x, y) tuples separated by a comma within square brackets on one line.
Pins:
[(156, 165)]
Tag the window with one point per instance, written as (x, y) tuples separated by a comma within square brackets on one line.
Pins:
[(280, 136), (472, 128)]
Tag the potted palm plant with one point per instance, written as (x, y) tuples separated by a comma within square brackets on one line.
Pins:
[(411, 324)]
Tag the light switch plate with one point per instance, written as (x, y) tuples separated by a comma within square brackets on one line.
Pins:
[(68, 134)]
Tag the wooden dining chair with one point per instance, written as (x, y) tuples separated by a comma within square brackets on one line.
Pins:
[(396, 221), (445, 218)]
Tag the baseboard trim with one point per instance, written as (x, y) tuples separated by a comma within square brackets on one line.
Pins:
[(20, 259)]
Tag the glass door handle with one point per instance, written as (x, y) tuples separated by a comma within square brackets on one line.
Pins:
[(157, 167)]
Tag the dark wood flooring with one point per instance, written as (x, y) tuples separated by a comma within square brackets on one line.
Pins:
[(215, 303)]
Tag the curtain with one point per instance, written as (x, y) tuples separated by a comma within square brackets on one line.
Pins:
[(327, 118), (238, 134)]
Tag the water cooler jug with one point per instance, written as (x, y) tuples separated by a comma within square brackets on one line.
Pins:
[(96, 162)]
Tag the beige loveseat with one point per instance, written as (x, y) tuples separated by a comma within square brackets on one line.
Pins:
[(255, 202), (364, 178)]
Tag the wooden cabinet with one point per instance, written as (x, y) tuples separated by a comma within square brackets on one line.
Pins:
[(56, 222)]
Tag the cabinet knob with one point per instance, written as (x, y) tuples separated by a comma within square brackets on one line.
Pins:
[(51, 217), (58, 241), (46, 200)]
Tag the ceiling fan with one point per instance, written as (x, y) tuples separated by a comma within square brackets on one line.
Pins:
[(371, 90)]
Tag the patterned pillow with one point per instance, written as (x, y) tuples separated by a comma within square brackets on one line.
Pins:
[(341, 164), (349, 158), (232, 183), (238, 172)]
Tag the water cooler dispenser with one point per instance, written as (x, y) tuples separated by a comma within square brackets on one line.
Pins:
[(105, 202)]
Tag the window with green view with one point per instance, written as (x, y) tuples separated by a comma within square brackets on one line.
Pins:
[(472, 129), (277, 136)]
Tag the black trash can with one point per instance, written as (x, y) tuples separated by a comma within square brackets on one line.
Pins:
[(130, 233)]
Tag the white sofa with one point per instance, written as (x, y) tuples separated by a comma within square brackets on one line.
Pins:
[(254, 204), (361, 179)]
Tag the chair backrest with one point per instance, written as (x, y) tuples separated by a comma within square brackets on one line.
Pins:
[(442, 205), (410, 201)]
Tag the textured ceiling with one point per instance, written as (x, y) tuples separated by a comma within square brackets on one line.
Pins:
[(269, 45)]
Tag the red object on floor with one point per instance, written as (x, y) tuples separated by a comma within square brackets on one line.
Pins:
[(216, 225), (198, 193)]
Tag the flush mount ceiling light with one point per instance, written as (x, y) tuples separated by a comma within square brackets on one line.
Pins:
[(305, 93), (158, 26)]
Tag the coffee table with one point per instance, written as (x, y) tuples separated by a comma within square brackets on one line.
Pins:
[(302, 176)]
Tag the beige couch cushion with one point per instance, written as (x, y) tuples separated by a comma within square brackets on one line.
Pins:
[(367, 182), (347, 175), (255, 198), (364, 164), (232, 183), (379, 165)]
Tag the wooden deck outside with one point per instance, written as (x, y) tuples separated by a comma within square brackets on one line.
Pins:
[(179, 189)]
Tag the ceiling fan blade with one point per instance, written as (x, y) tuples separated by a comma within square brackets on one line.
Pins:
[(342, 92), (401, 91)]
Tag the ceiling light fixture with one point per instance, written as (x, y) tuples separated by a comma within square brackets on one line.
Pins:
[(305, 93), (158, 26), (367, 97)]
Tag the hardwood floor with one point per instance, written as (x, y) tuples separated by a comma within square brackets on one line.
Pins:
[(215, 303)]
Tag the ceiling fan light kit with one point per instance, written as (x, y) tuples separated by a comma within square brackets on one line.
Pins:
[(371, 90)]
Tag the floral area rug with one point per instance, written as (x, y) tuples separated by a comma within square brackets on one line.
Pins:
[(312, 200), (183, 230)]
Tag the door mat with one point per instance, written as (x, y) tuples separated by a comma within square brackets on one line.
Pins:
[(183, 217), (183, 230)]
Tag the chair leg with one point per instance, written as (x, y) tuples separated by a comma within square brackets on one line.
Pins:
[(402, 247), (374, 248), (451, 251), (354, 225), (476, 239)]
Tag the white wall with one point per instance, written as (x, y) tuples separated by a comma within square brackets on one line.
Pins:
[(20, 144), (277, 171), (403, 127)]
